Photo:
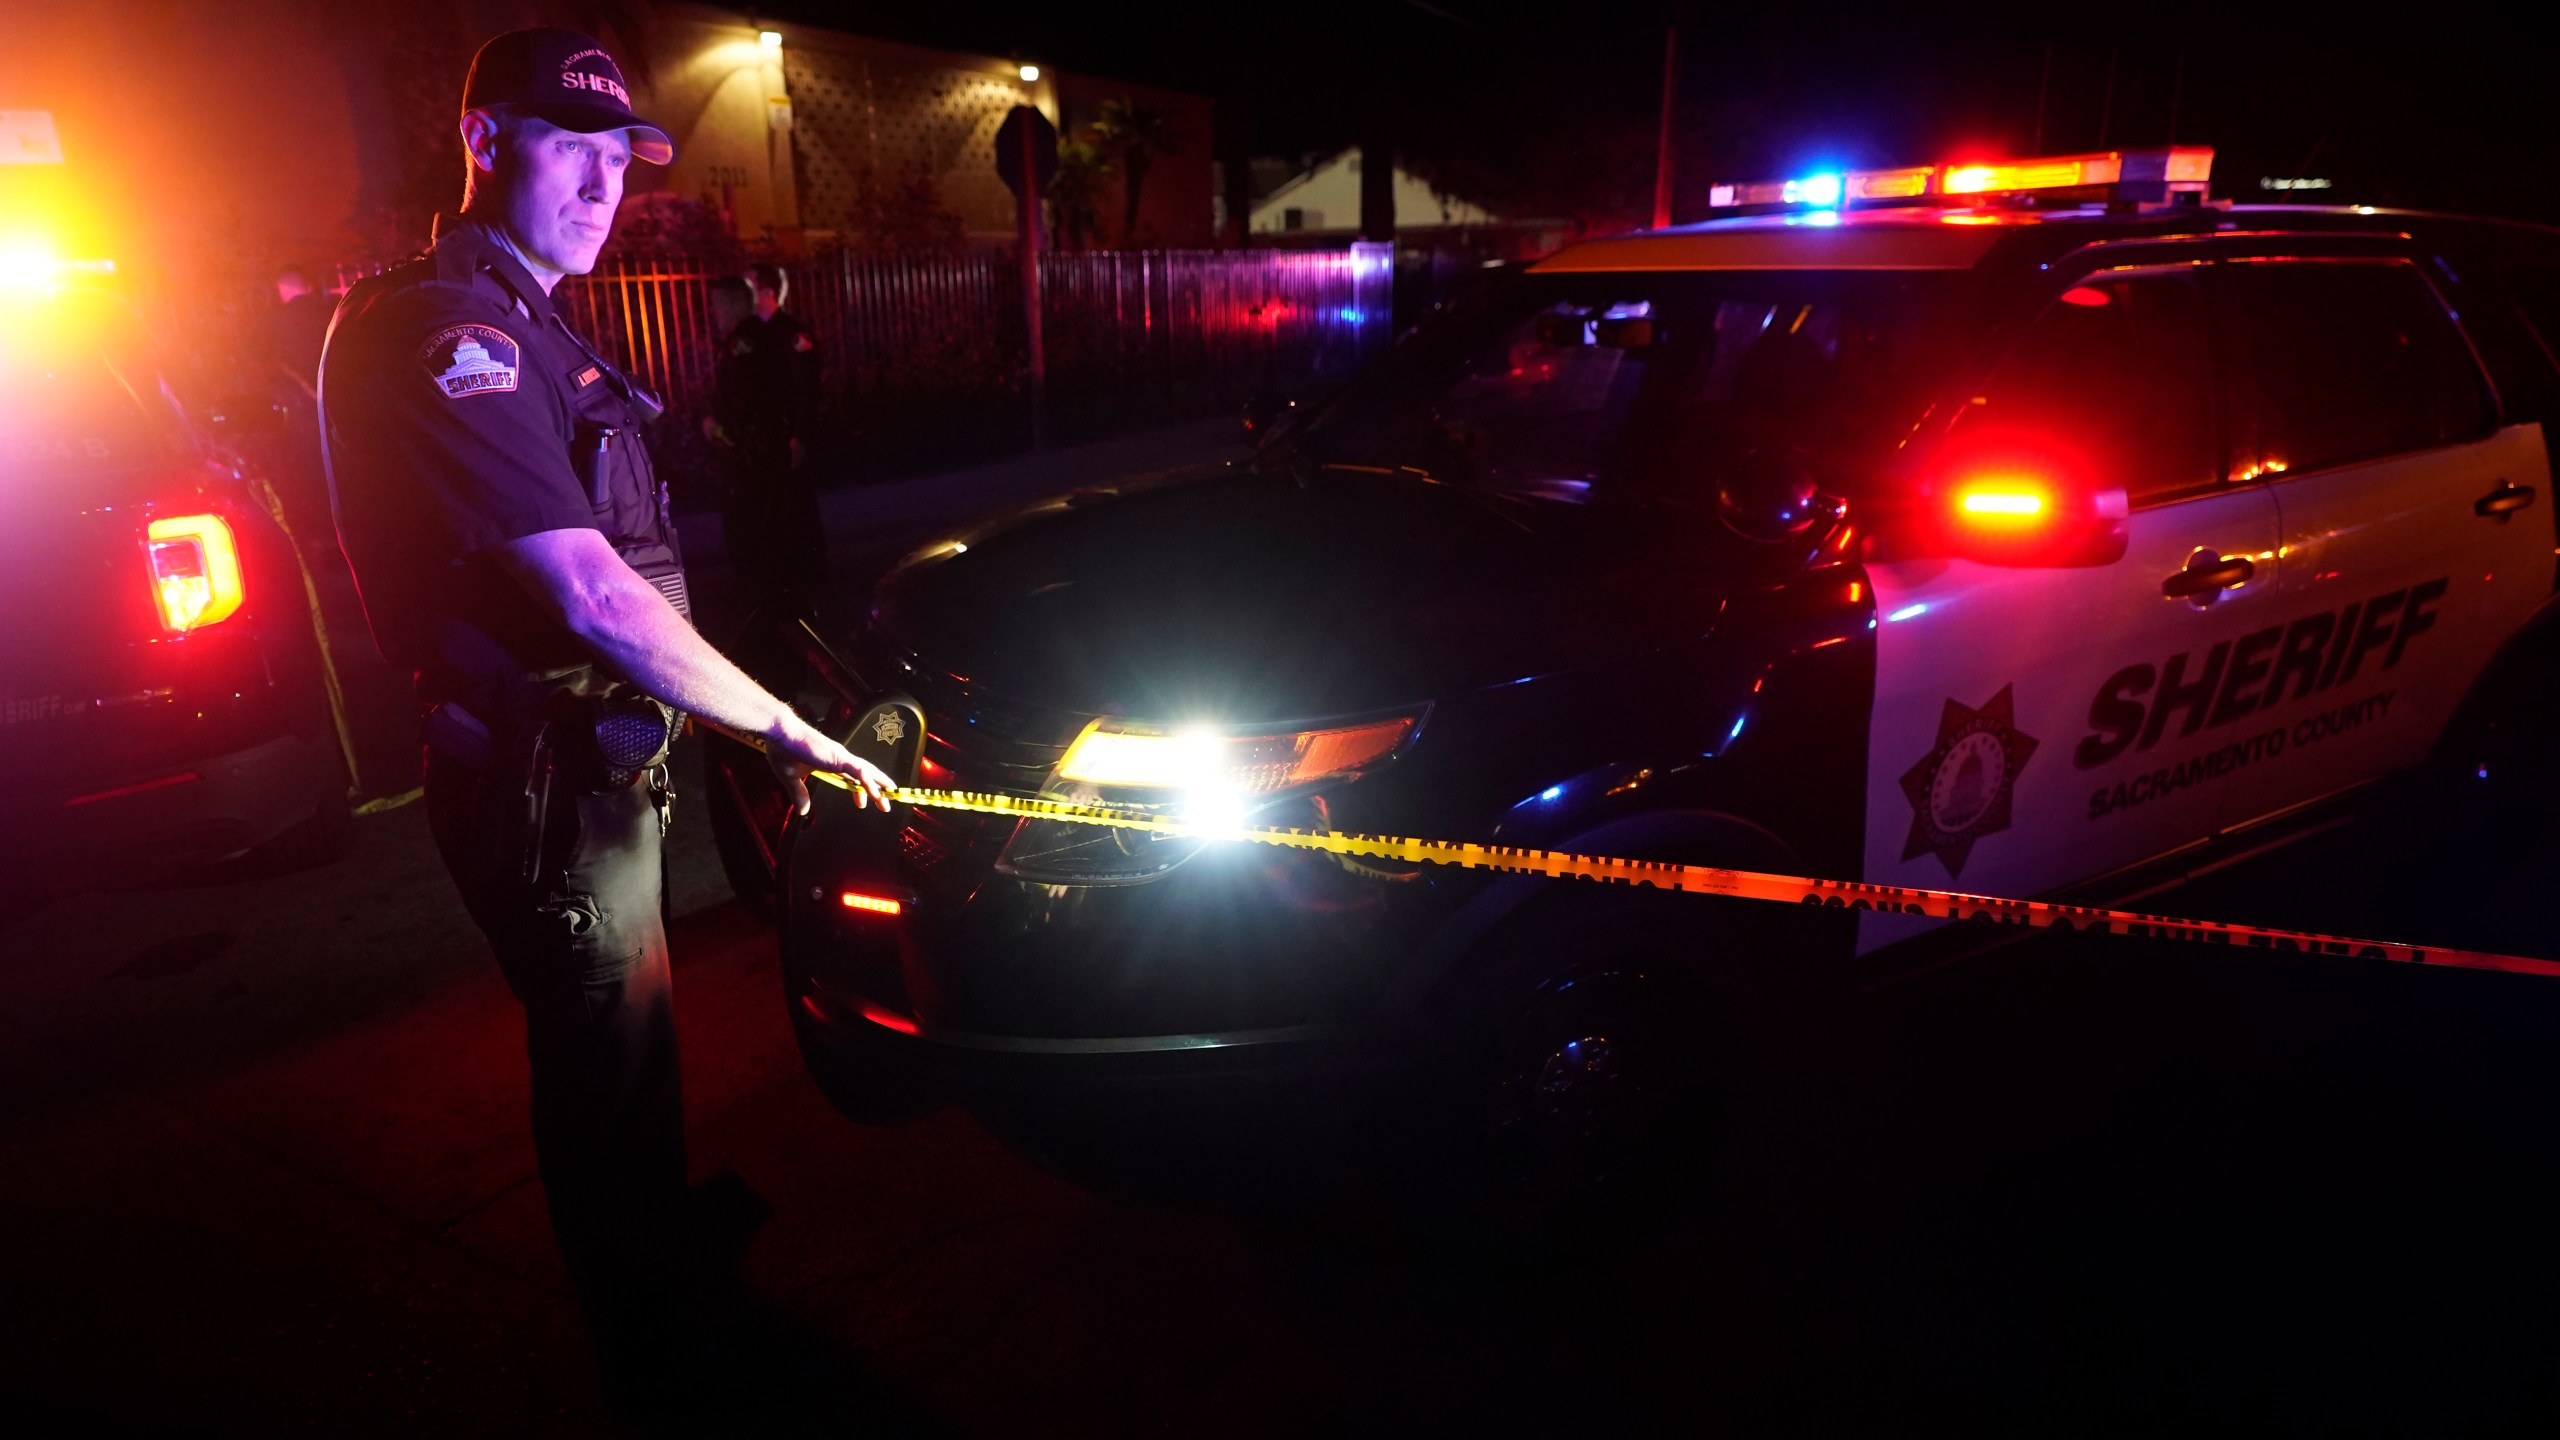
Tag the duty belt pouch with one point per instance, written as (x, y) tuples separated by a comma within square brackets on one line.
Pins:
[(612, 740)]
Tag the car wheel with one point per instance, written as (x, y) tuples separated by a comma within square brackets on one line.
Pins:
[(749, 812), (865, 1087), (1573, 1098)]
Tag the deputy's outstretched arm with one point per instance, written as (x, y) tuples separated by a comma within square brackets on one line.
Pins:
[(635, 632)]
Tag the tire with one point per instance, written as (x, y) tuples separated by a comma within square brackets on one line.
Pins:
[(1586, 1073), (864, 1087), (749, 814)]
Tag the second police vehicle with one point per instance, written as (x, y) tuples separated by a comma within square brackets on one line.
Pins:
[(2036, 529), (163, 699)]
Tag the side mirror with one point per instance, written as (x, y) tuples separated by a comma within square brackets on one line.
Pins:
[(1264, 413), (1770, 495)]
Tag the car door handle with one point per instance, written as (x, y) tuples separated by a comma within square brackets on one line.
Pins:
[(2206, 574), (2504, 501)]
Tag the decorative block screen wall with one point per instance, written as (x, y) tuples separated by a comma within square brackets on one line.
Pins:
[(862, 119)]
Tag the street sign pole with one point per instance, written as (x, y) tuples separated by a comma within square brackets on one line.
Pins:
[(1026, 160), (1030, 228)]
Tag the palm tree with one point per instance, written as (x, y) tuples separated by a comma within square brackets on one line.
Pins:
[(1132, 135), (1074, 191)]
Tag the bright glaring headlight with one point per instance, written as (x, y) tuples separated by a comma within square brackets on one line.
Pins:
[(1208, 763)]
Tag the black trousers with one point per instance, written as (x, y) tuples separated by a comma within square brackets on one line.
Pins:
[(777, 543), (585, 951)]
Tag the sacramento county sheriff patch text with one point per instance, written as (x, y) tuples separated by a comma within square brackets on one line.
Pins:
[(1959, 792), (470, 360)]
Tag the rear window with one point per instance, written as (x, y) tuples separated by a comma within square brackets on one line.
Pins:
[(2346, 361), (78, 395)]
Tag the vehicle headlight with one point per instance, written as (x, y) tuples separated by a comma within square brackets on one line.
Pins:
[(1213, 778), (1216, 775)]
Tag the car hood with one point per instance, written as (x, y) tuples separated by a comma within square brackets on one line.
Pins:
[(1240, 595)]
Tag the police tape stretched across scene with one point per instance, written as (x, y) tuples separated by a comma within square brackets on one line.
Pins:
[(1738, 884)]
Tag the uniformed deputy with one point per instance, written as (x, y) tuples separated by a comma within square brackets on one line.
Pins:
[(765, 400), (515, 552)]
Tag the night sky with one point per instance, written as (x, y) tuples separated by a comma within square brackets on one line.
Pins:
[(1535, 104)]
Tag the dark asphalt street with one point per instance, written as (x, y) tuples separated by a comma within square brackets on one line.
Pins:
[(267, 1171)]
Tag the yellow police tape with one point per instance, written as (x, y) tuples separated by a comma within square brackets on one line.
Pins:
[(1739, 884)]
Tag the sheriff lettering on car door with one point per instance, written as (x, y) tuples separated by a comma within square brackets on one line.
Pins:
[(2316, 568)]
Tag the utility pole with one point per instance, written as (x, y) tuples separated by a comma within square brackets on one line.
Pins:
[(1377, 183), (1662, 141), (1236, 143), (1026, 157), (2107, 106), (2044, 87)]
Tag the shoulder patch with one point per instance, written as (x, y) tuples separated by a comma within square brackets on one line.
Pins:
[(802, 342), (470, 360)]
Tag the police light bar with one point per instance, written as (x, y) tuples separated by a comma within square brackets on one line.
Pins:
[(2122, 176)]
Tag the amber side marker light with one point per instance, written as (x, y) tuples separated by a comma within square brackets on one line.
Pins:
[(195, 571), (870, 904)]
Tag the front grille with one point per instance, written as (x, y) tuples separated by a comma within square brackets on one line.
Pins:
[(922, 851), (975, 742)]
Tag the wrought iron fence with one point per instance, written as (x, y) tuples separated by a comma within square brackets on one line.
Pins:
[(1126, 333)]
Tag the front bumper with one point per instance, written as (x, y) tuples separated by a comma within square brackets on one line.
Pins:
[(1242, 960)]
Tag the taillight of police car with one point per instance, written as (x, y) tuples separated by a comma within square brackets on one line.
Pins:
[(195, 572), (1217, 776)]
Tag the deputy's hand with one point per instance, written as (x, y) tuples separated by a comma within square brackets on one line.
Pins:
[(796, 749)]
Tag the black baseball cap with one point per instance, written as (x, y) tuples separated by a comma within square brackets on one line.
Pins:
[(566, 78)]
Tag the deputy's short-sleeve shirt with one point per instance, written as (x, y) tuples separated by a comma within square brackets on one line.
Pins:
[(451, 412)]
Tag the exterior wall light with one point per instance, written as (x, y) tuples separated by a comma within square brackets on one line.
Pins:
[(770, 39), (1030, 74)]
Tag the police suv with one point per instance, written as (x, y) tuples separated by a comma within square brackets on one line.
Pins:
[(2036, 529), (161, 699)]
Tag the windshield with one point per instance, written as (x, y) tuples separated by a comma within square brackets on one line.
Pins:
[(77, 396), (1640, 385)]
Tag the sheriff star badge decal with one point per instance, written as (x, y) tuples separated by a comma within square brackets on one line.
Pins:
[(1959, 792)]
